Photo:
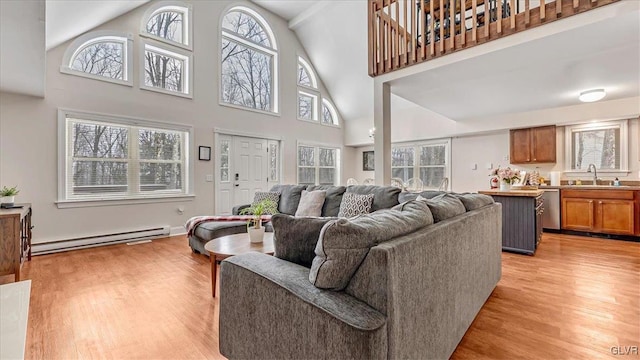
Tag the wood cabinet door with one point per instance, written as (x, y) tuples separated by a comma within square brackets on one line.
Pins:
[(543, 144), (578, 214), (520, 146), (616, 216)]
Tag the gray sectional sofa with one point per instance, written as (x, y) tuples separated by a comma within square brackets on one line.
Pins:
[(402, 282)]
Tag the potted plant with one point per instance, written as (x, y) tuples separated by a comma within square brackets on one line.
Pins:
[(506, 176), (8, 195), (254, 225)]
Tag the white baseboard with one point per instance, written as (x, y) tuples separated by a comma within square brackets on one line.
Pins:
[(177, 230)]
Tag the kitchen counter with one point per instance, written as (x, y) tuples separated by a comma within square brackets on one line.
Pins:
[(521, 193), (590, 187)]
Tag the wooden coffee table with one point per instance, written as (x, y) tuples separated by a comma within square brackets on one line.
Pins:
[(230, 245)]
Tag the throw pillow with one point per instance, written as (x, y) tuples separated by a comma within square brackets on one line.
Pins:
[(474, 201), (295, 238), (444, 206), (266, 195), (354, 205), (332, 202), (344, 243), (311, 203), (384, 197), (289, 198)]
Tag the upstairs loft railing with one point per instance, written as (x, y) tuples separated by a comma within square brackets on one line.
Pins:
[(407, 32)]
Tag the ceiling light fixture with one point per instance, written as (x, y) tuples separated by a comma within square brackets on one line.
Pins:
[(592, 95)]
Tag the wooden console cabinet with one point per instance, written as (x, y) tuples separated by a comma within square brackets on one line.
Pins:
[(15, 239), (601, 211), (533, 145)]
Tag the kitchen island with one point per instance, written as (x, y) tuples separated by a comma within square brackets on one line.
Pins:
[(521, 219)]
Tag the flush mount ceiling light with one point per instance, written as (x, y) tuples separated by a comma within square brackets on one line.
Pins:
[(592, 95)]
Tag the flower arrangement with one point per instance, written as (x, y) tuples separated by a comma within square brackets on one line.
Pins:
[(506, 175)]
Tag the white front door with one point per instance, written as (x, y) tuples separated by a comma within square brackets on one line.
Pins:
[(245, 165), (250, 168)]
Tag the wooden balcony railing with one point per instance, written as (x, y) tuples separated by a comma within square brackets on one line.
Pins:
[(407, 32)]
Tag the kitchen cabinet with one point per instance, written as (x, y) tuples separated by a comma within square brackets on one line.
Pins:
[(521, 219), (601, 211), (533, 145)]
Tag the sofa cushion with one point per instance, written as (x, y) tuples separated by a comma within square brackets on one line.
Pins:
[(266, 195), (344, 243), (295, 238), (474, 201), (311, 203), (289, 197), (444, 206), (384, 197), (213, 229), (428, 194), (355, 204), (332, 202)]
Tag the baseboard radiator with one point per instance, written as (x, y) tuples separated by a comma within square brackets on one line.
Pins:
[(99, 240)]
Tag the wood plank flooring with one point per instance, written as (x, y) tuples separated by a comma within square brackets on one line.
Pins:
[(576, 298)]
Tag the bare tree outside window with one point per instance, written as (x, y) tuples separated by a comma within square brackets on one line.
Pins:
[(103, 160), (599, 147), (167, 25), (433, 163), (327, 116), (163, 71), (247, 67), (305, 107), (402, 162), (303, 76), (104, 58)]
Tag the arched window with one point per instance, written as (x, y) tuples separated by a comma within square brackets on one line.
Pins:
[(249, 61), (169, 22), (329, 114), (102, 55), (306, 76)]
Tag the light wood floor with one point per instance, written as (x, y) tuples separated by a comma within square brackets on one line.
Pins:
[(576, 298)]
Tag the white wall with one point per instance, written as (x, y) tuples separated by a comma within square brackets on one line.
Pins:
[(28, 127), (493, 148)]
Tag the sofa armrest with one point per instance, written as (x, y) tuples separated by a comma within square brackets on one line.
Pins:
[(236, 209), (269, 309)]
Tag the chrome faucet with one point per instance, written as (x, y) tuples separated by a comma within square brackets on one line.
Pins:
[(595, 173)]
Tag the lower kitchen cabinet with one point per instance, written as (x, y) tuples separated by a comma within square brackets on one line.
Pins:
[(521, 219), (601, 211)]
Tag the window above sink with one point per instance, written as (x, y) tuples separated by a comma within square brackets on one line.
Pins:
[(604, 144)]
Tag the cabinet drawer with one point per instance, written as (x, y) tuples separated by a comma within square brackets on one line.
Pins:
[(599, 194)]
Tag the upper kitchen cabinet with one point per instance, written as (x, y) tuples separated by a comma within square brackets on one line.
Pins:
[(533, 145)]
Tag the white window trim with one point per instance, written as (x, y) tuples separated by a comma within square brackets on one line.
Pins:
[(316, 145), (187, 59), (314, 105), (332, 110), (64, 202), (175, 6), (622, 124), (273, 51), (416, 157), (97, 36)]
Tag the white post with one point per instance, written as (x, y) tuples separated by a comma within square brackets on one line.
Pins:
[(382, 138)]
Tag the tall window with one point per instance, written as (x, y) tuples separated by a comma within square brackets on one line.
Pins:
[(428, 161), (169, 23), (602, 144), (318, 165), (249, 61), (122, 159), (101, 55)]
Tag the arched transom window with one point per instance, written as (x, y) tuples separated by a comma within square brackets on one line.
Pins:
[(309, 96), (168, 22), (249, 61), (100, 55)]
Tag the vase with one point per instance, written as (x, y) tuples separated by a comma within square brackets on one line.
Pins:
[(9, 200), (256, 235), (505, 186)]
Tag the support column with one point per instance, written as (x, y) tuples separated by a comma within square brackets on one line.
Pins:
[(382, 138)]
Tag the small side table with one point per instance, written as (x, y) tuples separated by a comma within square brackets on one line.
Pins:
[(231, 245)]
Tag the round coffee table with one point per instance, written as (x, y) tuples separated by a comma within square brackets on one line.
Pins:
[(230, 245)]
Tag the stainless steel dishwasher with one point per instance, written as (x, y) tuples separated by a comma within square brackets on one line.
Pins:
[(551, 214)]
